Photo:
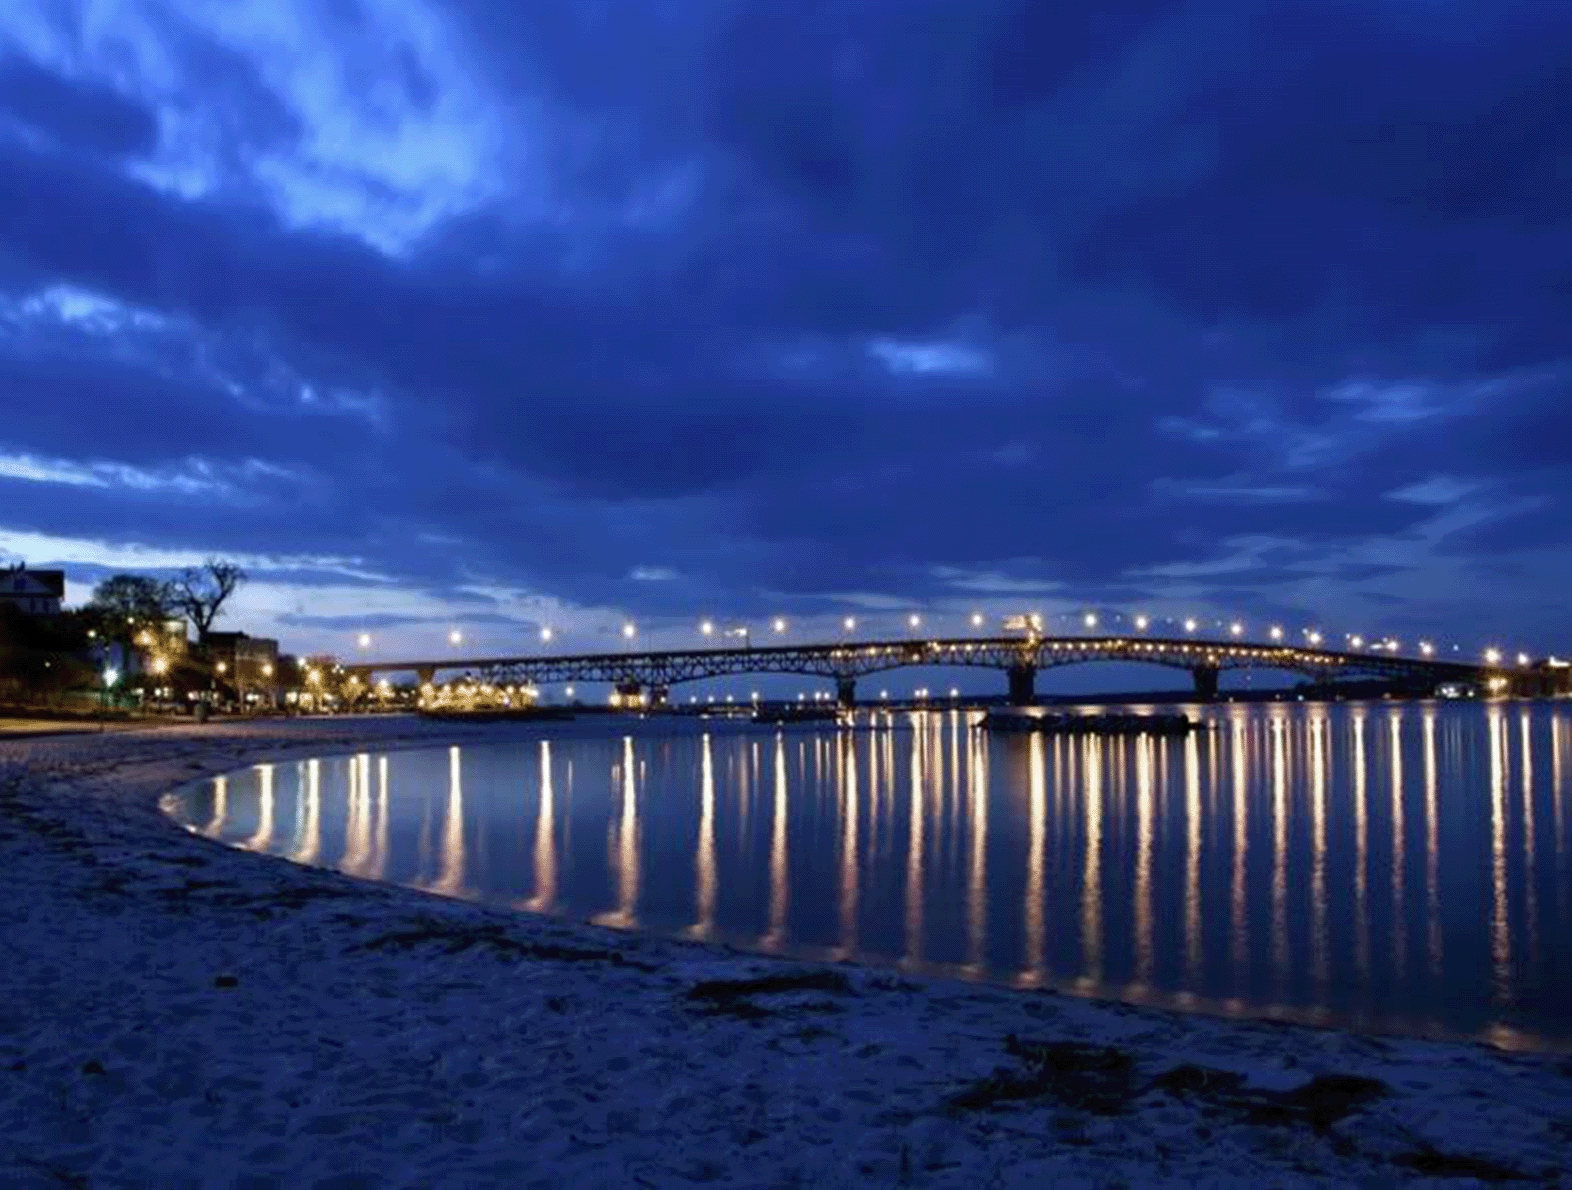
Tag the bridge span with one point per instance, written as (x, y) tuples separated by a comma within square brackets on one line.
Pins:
[(652, 674)]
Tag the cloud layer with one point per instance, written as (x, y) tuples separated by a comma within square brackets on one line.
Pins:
[(740, 308)]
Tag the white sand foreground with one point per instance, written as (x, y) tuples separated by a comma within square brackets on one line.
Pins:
[(176, 1014)]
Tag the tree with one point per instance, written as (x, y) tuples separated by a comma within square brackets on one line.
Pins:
[(126, 602), (201, 592)]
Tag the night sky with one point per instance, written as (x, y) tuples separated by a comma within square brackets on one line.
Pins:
[(493, 314)]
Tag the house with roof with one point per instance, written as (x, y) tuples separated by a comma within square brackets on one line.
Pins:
[(35, 592)]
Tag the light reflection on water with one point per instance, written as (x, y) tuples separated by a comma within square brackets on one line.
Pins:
[(1385, 866)]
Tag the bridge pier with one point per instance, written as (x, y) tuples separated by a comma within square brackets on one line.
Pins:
[(846, 692), (1206, 679), (1023, 685)]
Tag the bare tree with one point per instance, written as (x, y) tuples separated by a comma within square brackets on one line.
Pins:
[(126, 603), (200, 592)]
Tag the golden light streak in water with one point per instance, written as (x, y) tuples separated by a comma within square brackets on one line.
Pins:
[(1239, 934), (1092, 869), (1399, 843), (262, 838), (309, 833), (1145, 809), (914, 852), (704, 850), (1279, 732), (1320, 944), (849, 856), (545, 838), (450, 879), (1192, 859), (215, 828), (1361, 850), (1526, 786), (977, 866), (357, 820), (625, 857), (1432, 848), (1500, 909), (779, 888), (1033, 908), (1558, 726), (377, 868)]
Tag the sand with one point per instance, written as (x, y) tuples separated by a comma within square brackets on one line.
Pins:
[(175, 1013)]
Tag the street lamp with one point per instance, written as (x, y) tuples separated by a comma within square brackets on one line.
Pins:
[(914, 621), (1493, 656), (455, 637), (707, 628), (1189, 625), (365, 640), (779, 625), (1142, 623), (546, 634), (1236, 629), (1089, 619), (629, 630), (849, 623), (977, 619), (1276, 632)]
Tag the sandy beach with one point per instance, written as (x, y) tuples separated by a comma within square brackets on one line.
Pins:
[(174, 1013)]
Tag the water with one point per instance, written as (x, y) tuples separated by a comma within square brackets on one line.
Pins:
[(1386, 866)]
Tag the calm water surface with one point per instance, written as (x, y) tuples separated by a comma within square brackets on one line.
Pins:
[(1382, 866)]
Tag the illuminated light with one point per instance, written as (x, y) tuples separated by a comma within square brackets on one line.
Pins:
[(1189, 625), (1315, 637), (1276, 632), (1236, 628), (222, 667), (977, 619), (1522, 658), (267, 671), (914, 621), (569, 691), (628, 631), (455, 637), (1141, 623), (111, 676), (884, 694), (753, 696), (546, 633), (779, 625), (160, 665), (1090, 619), (1357, 641), (1393, 646), (1426, 648), (1493, 656), (707, 628), (364, 640)]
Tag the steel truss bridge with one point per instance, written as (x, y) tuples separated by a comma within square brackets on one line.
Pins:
[(651, 675)]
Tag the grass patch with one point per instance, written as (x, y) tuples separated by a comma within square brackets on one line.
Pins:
[(456, 939), (1094, 1078), (734, 997)]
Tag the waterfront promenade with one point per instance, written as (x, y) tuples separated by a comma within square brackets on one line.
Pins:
[(173, 1012)]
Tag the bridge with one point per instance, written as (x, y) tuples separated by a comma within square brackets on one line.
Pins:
[(651, 675)]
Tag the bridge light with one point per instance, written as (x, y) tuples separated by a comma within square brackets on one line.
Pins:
[(779, 625), (707, 628), (1236, 628), (1493, 656), (455, 637), (849, 623), (1189, 625), (1141, 623), (1276, 632)]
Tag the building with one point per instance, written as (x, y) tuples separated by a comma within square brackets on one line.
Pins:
[(248, 663), (36, 592)]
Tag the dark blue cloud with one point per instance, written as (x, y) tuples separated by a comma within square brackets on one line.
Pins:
[(777, 300)]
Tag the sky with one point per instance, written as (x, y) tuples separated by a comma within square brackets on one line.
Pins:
[(502, 314)]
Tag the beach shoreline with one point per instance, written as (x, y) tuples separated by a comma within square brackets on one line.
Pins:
[(178, 1012)]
